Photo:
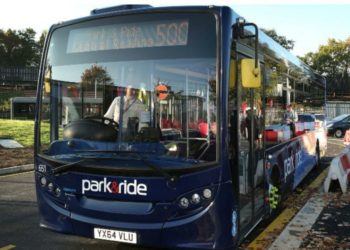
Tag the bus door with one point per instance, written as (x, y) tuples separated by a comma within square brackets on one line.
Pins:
[(249, 147)]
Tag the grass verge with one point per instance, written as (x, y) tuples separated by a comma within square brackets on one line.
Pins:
[(22, 131)]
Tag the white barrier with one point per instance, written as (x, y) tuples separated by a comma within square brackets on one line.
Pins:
[(339, 170), (347, 137)]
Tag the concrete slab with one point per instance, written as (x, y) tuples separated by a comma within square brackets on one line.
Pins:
[(293, 235), (8, 143), (16, 169)]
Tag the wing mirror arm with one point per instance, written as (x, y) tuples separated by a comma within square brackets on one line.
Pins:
[(241, 24), (250, 70)]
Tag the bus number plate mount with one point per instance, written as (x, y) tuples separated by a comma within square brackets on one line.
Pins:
[(115, 235)]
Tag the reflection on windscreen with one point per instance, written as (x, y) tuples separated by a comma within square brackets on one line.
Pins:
[(171, 103)]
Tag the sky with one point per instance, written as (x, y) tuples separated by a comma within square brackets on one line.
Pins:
[(309, 23)]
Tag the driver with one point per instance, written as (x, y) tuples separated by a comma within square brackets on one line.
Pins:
[(129, 106)]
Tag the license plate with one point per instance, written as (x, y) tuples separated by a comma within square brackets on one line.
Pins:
[(115, 235)]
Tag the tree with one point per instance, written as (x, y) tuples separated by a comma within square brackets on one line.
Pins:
[(9, 43), (29, 53), (333, 61), (96, 73), (19, 48), (282, 40), (42, 39)]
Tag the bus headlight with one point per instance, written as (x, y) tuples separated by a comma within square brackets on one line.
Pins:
[(195, 199), (43, 181), (207, 193)]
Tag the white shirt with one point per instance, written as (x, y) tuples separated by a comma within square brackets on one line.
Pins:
[(132, 108)]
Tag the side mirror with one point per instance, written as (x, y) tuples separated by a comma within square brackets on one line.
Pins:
[(251, 76)]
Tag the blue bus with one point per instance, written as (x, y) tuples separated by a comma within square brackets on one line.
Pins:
[(166, 126)]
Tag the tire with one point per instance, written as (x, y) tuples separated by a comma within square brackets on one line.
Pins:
[(338, 133)]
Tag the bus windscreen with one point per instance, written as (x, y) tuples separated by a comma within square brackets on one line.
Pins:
[(144, 83)]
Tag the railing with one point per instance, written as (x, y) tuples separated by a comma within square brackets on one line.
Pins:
[(337, 108), (5, 115), (18, 74)]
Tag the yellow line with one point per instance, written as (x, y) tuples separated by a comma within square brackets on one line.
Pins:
[(266, 237), (318, 181), (8, 247)]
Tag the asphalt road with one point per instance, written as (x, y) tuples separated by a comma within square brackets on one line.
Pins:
[(19, 221), (334, 146)]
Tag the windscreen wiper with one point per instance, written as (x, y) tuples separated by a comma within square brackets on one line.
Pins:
[(171, 178), (66, 167), (112, 151)]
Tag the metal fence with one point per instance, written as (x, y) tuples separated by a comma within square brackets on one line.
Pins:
[(19, 74), (5, 114), (335, 108)]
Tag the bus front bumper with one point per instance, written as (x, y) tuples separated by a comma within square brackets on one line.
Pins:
[(195, 232)]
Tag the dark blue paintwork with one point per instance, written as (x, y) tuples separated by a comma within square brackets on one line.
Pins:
[(156, 217), (301, 158)]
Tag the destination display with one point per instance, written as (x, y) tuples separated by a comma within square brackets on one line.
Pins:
[(128, 36)]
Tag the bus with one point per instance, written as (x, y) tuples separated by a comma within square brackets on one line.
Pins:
[(204, 157)]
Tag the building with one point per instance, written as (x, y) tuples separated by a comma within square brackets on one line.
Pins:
[(17, 82)]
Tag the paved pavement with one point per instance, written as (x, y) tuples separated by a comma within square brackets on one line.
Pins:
[(324, 221), (331, 230), (16, 169), (327, 213)]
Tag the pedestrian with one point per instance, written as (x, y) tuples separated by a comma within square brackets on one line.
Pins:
[(290, 117)]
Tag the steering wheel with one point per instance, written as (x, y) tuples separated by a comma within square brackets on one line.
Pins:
[(104, 120), (110, 122)]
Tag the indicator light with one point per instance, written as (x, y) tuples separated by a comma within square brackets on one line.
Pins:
[(195, 198), (50, 186), (184, 203), (58, 192)]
